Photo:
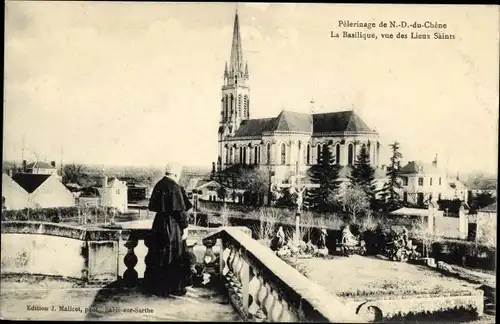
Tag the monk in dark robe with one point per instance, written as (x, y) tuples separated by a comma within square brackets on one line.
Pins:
[(167, 270)]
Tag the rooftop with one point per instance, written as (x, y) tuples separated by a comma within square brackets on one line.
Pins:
[(29, 181), (289, 121)]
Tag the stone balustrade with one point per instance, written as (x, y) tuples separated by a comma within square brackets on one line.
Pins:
[(262, 287), (42, 248)]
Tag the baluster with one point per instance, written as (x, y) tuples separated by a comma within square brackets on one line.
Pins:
[(225, 257), (147, 258), (130, 275), (235, 283), (277, 308), (253, 291), (269, 301), (229, 274), (287, 314), (261, 315)]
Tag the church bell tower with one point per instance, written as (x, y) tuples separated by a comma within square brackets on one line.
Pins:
[(235, 97)]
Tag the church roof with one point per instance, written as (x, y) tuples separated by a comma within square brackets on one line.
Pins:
[(289, 121), (342, 121)]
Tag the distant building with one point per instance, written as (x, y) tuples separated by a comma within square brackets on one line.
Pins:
[(423, 182), (114, 194), (484, 224), (16, 197), (45, 190)]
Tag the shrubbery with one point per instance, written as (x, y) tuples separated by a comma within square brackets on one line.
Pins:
[(54, 215)]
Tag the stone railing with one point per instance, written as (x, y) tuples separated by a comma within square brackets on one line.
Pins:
[(43, 248), (262, 287), (135, 256)]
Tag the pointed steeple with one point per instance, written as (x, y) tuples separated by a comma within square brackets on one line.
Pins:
[(236, 62)]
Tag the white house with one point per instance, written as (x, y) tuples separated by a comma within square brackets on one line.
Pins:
[(423, 182), (45, 190), (486, 225), (16, 197), (114, 194)]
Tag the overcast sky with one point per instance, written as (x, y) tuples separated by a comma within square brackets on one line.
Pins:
[(139, 83)]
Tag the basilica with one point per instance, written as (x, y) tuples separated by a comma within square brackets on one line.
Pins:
[(290, 142)]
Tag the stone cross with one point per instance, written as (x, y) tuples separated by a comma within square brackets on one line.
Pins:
[(296, 186)]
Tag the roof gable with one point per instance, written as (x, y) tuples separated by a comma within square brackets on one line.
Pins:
[(6, 179), (30, 182), (289, 121)]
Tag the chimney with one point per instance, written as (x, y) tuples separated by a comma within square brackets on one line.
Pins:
[(24, 166), (53, 164), (435, 162)]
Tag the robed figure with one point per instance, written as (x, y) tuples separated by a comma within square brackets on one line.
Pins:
[(167, 268)]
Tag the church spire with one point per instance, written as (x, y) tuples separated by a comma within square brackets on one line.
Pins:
[(236, 62)]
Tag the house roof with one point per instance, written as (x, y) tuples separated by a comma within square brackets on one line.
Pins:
[(30, 182), (90, 192), (405, 211), (289, 121), (489, 209), (39, 165), (420, 167)]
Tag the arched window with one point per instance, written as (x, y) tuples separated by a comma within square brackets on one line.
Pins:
[(350, 154), (308, 154), (244, 155), (337, 153), (318, 153), (241, 155), (256, 155), (245, 105), (226, 106), (239, 106), (227, 155), (268, 153), (231, 104), (231, 152), (283, 153)]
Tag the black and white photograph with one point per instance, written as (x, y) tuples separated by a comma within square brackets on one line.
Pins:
[(249, 162)]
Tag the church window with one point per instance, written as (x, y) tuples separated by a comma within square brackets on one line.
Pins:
[(405, 181), (227, 155), (239, 106), (420, 181), (226, 104), (245, 105), (283, 153), (337, 153), (318, 153), (350, 154), (439, 180), (268, 152), (256, 155), (308, 154), (231, 99)]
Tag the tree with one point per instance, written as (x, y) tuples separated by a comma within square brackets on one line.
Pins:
[(481, 200), (363, 174), (325, 174), (76, 173), (222, 193), (255, 180), (390, 191), (355, 201)]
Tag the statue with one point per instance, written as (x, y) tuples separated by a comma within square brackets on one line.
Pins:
[(278, 240), (300, 199)]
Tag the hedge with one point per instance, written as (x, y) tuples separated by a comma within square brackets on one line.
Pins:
[(49, 214)]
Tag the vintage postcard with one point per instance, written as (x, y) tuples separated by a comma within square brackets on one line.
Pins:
[(249, 162)]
